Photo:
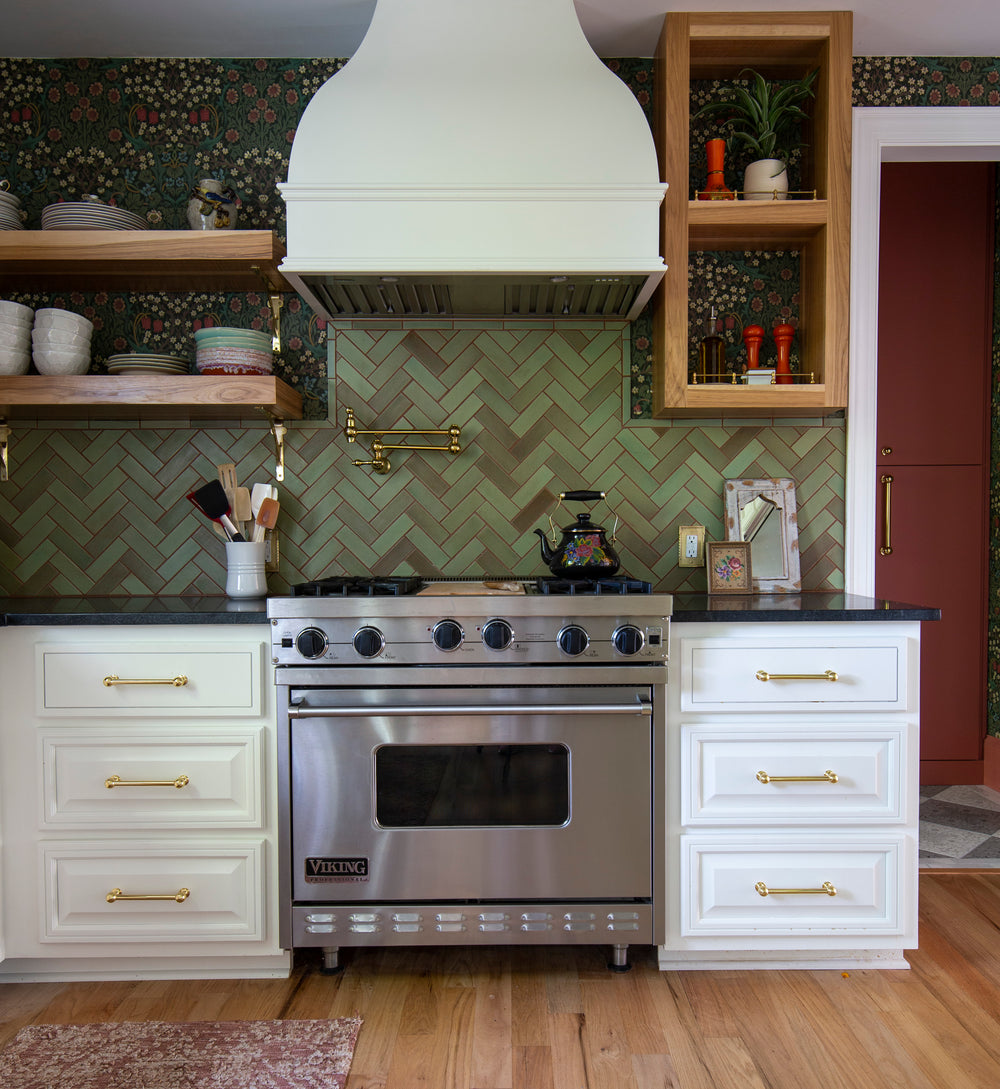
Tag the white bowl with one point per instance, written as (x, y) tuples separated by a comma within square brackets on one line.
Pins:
[(14, 362), (49, 361), (57, 338), (50, 317), (16, 312), (15, 335)]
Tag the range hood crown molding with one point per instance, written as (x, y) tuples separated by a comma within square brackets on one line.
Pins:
[(470, 137)]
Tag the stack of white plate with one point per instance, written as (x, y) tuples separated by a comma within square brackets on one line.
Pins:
[(10, 212), (225, 350), (15, 337), (90, 216), (60, 342), (147, 363)]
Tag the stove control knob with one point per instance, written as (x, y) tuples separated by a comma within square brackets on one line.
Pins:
[(497, 634), (573, 640), (628, 639), (447, 635), (311, 643), (369, 642)]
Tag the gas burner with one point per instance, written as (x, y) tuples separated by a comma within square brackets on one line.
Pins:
[(612, 584), (358, 586)]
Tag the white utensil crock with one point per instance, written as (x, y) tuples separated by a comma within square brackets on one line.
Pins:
[(245, 573)]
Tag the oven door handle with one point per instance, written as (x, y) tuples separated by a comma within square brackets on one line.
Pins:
[(640, 707)]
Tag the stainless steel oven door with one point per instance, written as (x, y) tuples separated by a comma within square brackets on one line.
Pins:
[(471, 793)]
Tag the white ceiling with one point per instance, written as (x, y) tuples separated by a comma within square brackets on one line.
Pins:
[(333, 28)]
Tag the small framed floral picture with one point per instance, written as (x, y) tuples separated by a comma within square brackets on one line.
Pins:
[(728, 566)]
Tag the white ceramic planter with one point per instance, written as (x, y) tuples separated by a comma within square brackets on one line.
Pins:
[(766, 179)]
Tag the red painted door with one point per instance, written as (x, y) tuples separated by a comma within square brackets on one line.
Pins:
[(935, 333)]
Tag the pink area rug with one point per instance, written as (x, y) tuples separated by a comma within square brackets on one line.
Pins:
[(182, 1055)]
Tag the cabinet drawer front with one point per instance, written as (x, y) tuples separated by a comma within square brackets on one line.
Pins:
[(728, 675), (180, 780), (724, 768), (224, 902), (721, 878), (209, 680)]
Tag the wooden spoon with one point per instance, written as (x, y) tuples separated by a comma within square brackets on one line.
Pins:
[(267, 518)]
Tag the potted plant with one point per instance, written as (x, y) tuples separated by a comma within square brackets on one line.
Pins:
[(761, 116)]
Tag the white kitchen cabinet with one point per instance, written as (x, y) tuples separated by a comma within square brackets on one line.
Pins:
[(792, 797), (137, 774)]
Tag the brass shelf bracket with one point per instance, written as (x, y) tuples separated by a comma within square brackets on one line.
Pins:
[(275, 302), (379, 461)]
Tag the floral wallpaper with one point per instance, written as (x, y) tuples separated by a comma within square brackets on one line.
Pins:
[(139, 134)]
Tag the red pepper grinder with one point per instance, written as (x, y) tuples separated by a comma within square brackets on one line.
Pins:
[(753, 338), (783, 341)]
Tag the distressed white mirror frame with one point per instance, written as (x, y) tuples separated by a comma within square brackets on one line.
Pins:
[(764, 513)]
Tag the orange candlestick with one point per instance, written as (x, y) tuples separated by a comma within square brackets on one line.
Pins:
[(783, 341), (715, 186)]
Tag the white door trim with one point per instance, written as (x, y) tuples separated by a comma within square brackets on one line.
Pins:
[(893, 134)]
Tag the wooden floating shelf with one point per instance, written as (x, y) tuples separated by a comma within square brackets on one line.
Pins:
[(174, 261), (145, 396)]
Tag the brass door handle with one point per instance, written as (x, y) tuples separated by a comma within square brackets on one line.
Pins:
[(826, 777), (117, 781), (886, 549), (826, 675), (826, 889), (178, 897), (114, 679)]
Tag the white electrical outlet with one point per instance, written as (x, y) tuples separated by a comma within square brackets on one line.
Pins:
[(690, 546)]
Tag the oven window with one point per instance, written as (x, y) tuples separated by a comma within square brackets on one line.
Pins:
[(453, 786)]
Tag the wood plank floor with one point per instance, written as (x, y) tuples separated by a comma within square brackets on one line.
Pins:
[(555, 1018)]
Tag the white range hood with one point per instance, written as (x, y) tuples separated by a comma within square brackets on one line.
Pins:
[(474, 158)]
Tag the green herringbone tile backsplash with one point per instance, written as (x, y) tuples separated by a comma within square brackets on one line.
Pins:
[(104, 510)]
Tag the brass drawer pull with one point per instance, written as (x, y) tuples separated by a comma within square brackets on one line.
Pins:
[(178, 897), (826, 675), (117, 781), (826, 777), (114, 679), (826, 888)]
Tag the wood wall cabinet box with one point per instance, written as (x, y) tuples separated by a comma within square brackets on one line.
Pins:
[(144, 261), (718, 45), (797, 782), (191, 803)]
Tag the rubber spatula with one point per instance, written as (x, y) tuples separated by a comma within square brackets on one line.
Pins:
[(211, 500), (267, 518)]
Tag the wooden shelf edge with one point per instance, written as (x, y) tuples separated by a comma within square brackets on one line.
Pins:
[(70, 258), (147, 396), (715, 401)]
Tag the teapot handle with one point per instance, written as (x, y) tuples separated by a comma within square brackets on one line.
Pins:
[(582, 497)]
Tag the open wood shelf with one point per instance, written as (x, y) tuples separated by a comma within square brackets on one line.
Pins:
[(167, 261), (148, 397), (719, 45), (141, 261)]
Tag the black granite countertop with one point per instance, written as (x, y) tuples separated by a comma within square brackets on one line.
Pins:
[(131, 610), (745, 608), (777, 608)]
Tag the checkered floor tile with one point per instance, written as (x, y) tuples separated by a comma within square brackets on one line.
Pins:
[(959, 823)]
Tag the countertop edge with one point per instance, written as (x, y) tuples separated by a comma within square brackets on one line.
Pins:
[(810, 606)]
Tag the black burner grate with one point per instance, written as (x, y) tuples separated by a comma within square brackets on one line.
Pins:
[(612, 584), (358, 586)]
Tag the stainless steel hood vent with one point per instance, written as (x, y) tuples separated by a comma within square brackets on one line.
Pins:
[(357, 297), (476, 159)]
